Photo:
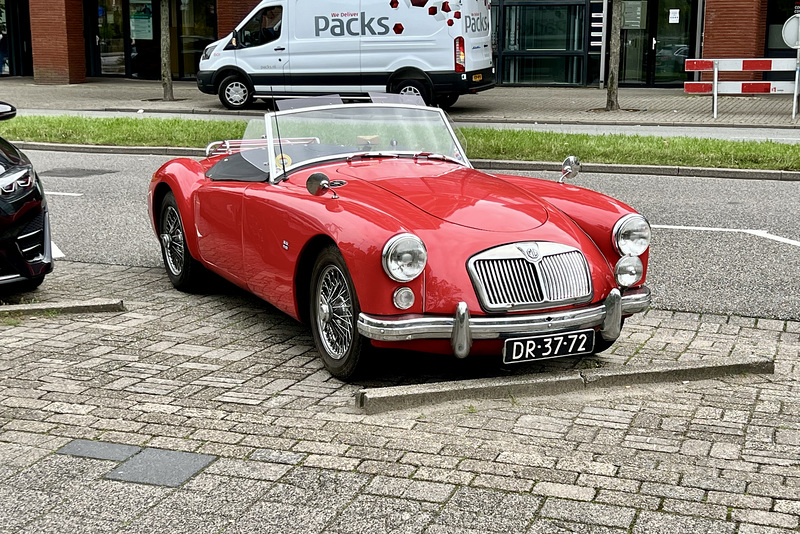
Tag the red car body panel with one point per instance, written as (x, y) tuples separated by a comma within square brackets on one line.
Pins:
[(254, 233)]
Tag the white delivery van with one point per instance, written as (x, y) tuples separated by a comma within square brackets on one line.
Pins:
[(435, 49)]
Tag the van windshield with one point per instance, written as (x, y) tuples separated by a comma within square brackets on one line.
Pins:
[(309, 135)]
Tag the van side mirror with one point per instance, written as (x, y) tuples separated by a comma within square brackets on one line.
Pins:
[(7, 111)]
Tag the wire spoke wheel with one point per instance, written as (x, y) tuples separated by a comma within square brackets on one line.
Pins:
[(335, 312), (183, 270), (172, 240)]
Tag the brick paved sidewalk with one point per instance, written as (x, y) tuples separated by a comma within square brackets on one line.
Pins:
[(272, 443)]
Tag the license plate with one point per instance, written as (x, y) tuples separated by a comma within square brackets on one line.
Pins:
[(477, 77), (525, 349)]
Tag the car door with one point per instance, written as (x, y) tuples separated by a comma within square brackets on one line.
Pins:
[(269, 252), (263, 48), (218, 221)]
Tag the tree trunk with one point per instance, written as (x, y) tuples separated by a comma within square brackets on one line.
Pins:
[(166, 64), (612, 99)]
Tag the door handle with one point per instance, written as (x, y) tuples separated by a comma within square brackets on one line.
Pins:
[(280, 49), (654, 43)]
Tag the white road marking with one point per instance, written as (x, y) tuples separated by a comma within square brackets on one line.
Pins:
[(757, 233), (56, 251), (56, 194)]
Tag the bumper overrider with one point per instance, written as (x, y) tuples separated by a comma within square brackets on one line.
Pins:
[(462, 329)]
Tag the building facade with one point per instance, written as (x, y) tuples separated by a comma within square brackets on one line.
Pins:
[(536, 42)]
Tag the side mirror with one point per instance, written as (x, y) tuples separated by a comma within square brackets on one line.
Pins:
[(7, 111), (318, 184), (570, 168)]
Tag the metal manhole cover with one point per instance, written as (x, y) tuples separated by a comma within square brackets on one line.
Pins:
[(75, 173)]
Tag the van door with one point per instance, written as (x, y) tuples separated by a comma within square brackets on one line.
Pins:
[(477, 35), (263, 47), (325, 46)]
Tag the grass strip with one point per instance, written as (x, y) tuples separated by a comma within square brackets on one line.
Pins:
[(482, 143)]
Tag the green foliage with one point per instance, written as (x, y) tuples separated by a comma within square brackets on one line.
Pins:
[(481, 143), (122, 131), (631, 149)]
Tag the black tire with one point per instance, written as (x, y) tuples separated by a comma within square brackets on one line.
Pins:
[(414, 87), (183, 270), (446, 100), (334, 315), (23, 286), (235, 93)]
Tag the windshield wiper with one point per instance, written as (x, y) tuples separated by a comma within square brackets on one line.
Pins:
[(432, 155), (367, 155)]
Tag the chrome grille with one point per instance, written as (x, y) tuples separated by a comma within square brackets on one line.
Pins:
[(566, 276), (507, 280)]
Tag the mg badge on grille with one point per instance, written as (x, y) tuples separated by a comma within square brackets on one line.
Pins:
[(531, 252)]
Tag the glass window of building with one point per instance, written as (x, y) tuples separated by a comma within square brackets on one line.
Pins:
[(110, 37), (542, 43)]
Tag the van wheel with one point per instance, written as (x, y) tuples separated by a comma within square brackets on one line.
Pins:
[(234, 93), (413, 87), (446, 100)]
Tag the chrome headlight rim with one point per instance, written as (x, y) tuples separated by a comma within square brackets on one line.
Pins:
[(624, 246), (628, 271), (391, 247)]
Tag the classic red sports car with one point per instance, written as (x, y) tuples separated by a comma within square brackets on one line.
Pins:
[(368, 222)]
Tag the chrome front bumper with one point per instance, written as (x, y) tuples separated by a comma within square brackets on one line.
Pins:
[(462, 329)]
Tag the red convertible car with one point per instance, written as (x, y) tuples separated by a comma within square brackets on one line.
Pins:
[(368, 222)]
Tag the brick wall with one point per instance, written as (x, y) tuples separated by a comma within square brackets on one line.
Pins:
[(230, 13), (57, 41), (735, 29)]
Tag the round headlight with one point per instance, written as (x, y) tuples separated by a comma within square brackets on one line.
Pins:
[(628, 271), (404, 257), (631, 235)]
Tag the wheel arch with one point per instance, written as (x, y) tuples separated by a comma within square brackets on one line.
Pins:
[(408, 73), (230, 70), (305, 266), (181, 177), (161, 190)]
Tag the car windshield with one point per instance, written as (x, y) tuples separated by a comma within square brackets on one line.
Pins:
[(287, 140)]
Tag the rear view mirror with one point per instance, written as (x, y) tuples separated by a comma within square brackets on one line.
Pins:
[(7, 111), (570, 168), (318, 184)]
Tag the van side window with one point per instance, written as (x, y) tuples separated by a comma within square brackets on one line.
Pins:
[(263, 28)]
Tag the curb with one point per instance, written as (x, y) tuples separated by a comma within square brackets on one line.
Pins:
[(90, 306), (385, 399), (482, 164)]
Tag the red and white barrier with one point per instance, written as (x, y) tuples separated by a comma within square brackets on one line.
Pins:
[(715, 87)]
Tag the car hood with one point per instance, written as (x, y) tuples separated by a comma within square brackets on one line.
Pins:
[(455, 194)]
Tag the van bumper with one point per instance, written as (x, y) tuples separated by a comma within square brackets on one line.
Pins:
[(463, 83), (205, 81)]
